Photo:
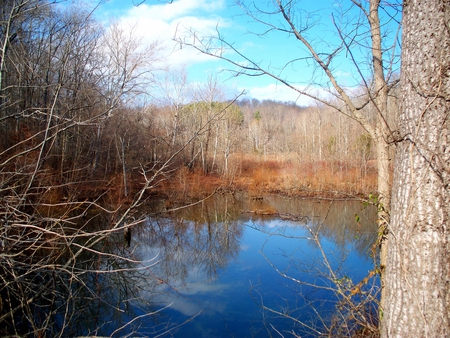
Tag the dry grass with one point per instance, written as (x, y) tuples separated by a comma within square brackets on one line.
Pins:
[(251, 174), (189, 185), (306, 178), (257, 177)]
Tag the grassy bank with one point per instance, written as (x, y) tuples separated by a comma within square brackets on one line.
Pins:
[(258, 177)]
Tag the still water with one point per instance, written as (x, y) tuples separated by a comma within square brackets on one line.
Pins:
[(230, 267)]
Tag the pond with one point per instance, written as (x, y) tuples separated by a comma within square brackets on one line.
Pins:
[(229, 266), (238, 267)]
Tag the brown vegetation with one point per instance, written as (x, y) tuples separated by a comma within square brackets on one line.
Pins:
[(258, 177)]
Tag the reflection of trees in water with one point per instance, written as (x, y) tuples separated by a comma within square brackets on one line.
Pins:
[(334, 293), (338, 224), (336, 220), (204, 237), (54, 283), (93, 291)]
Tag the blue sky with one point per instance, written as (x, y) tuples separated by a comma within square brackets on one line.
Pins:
[(162, 21)]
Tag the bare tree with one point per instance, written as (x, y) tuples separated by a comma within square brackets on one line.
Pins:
[(418, 273), (176, 93)]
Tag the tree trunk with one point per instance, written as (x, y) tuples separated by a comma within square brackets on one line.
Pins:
[(417, 278), (384, 199)]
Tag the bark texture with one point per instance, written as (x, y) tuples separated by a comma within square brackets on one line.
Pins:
[(417, 278)]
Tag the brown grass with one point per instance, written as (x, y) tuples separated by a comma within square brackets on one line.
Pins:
[(252, 174), (323, 178), (189, 185), (257, 177)]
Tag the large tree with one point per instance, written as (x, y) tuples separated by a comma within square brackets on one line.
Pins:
[(418, 270)]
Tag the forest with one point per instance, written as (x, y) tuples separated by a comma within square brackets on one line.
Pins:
[(259, 147), (78, 120)]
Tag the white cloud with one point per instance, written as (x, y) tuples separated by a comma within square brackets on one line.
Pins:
[(164, 22), (183, 305), (178, 9)]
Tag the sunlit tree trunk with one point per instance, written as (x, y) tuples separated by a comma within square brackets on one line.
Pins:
[(417, 275), (216, 144)]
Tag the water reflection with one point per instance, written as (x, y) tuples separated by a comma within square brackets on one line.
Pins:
[(61, 279), (227, 267), (229, 259), (205, 236)]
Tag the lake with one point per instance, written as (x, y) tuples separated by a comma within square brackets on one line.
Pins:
[(230, 267), (223, 269)]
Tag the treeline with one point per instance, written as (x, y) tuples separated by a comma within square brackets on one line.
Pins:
[(268, 147)]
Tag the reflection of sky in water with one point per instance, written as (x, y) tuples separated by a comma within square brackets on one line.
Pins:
[(229, 303)]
